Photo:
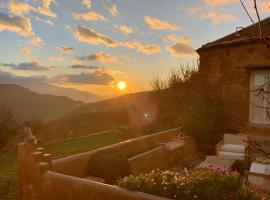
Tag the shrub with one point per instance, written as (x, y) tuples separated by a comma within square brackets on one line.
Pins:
[(108, 165), (201, 184), (205, 122)]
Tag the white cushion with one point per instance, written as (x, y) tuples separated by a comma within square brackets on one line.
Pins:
[(257, 180), (233, 148), (238, 156)]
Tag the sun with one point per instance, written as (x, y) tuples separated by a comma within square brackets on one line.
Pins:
[(121, 85)]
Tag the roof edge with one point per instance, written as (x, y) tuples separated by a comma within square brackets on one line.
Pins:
[(231, 43)]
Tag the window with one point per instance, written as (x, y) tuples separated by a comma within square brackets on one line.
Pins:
[(260, 97)]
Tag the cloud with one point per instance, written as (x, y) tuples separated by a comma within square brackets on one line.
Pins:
[(218, 17), (89, 16), (182, 48), (21, 25), (1, 5), (95, 78), (84, 67), (26, 51), (30, 66), (9, 75), (45, 8), (113, 10), (194, 9), (36, 41), (265, 6), (19, 8), (219, 2), (87, 3), (158, 24), (84, 34), (100, 57), (56, 59), (141, 47), (68, 27), (173, 37), (127, 30), (47, 21), (66, 49)]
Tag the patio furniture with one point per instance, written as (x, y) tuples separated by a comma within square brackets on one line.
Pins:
[(233, 146), (259, 175), (218, 162)]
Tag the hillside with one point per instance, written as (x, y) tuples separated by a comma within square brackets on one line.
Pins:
[(26, 104), (45, 88), (124, 111)]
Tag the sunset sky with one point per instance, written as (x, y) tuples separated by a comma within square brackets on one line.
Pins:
[(92, 44)]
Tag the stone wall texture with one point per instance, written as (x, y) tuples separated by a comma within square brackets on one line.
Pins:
[(224, 73), (44, 179)]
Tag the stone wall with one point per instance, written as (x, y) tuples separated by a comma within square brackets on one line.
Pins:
[(224, 74), (77, 165), (41, 178)]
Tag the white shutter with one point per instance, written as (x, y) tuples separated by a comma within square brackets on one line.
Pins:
[(259, 100)]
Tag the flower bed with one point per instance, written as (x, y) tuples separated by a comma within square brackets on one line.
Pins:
[(201, 183)]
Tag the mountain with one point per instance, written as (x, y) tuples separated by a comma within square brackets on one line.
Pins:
[(45, 88), (26, 104), (124, 111)]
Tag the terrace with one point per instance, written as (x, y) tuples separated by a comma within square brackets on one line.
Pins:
[(73, 177)]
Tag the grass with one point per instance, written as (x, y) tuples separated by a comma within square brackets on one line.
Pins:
[(62, 148)]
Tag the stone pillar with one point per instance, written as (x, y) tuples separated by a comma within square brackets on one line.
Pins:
[(25, 151)]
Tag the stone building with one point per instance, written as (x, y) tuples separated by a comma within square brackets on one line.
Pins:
[(232, 68)]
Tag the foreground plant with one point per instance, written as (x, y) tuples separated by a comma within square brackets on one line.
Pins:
[(201, 183)]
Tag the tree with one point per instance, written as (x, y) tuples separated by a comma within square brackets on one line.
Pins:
[(8, 126)]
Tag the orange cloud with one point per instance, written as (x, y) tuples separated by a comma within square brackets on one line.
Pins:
[(173, 37), (26, 51), (36, 41), (56, 59), (219, 2), (141, 47), (21, 25), (84, 34), (158, 24), (45, 8), (89, 16), (113, 10), (18, 8), (127, 30), (87, 3), (182, 48), (265, 6), (100, 57), (218, 17)]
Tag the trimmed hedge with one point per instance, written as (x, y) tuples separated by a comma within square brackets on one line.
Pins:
[(108, 165)]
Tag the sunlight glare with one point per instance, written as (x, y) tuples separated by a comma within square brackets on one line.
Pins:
[(121, 85)]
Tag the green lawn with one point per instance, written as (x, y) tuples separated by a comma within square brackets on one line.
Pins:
[(8, 167)]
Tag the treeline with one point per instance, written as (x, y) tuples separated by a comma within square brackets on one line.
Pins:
[(11, 129), (183, 101)]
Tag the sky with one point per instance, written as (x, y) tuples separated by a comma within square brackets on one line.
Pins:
[(91, 45)]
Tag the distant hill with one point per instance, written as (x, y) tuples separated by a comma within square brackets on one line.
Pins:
[(45, 88), (26, 104), (132, 109)]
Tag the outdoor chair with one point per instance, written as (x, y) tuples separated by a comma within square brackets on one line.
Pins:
[(234, 146), (259, 175)]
